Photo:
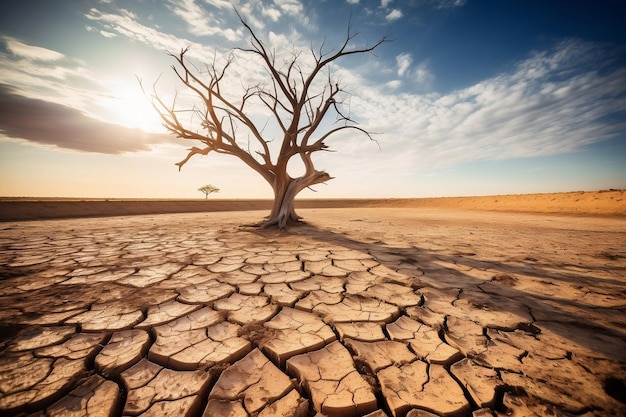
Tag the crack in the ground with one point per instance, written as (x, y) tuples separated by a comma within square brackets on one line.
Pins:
[(258, 334)]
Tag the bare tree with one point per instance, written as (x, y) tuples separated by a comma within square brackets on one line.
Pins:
[(208, 189), (298, 101)]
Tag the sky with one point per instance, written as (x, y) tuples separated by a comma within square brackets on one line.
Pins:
[(468, 97)]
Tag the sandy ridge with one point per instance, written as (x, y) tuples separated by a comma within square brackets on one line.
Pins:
[(597, 203)]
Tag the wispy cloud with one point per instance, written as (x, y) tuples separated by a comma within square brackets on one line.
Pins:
[(445, 4), (62, 102), (43, 71), (271, 12), (220, 4), (290, 7), (423, 76), (404, 62), (200, 22), (257, 12), (395, 14), (29, 51), (126, 24), (419, 77), (554, 102), (107, 34)]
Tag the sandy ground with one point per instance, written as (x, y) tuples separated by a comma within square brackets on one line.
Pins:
[(604, 203), (386, 311)]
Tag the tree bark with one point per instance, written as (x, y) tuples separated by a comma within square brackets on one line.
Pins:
[(283, 212), (286, 188)]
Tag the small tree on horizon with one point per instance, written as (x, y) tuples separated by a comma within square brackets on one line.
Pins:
[(298, 97), (208, 189)]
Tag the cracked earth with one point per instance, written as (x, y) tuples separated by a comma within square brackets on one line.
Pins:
[(368, 312)]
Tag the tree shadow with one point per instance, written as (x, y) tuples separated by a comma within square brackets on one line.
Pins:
[(583, 322)]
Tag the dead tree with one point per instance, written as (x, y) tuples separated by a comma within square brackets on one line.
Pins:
[(297, 100)]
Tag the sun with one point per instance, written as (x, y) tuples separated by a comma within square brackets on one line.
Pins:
[(133, 109), (126, 104)]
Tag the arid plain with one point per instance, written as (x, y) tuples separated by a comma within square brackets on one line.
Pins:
[(476, 306)]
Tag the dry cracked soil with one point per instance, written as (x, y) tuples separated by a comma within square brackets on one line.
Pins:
[(367, 312)]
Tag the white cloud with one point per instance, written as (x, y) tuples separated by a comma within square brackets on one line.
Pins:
[(554, 102), (193, 15), (385, 3), (295, 8), (46, 78), (107, 34), (125, 23), (251, 14), (394, 84), (200, 22), (404, 62), (256, 11), (271, 12), (423, 76), (282, 43), (352, 1), (395, 14), (220, 4), (290, 7), (241, 72), (29, 51)]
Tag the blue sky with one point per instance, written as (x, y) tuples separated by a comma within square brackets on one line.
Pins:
[(469, 98)]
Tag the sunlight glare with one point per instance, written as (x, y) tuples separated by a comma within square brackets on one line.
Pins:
[(128, 106), (134, 110)]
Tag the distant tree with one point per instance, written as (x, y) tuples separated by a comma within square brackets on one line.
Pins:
[(208, 189), (298, 96)]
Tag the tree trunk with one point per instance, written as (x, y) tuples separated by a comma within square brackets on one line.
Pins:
[(285, 188), (283, 212)]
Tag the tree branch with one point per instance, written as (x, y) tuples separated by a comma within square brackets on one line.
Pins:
[(298, 101)]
